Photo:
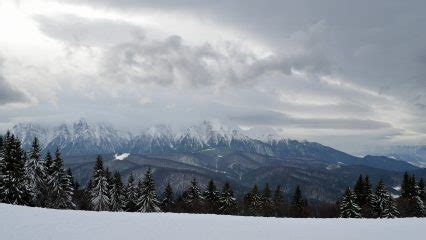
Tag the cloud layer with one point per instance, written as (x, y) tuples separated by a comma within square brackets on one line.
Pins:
[(329, 71)]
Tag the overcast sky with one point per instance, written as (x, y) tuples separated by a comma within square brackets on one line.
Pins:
[(350, 74)]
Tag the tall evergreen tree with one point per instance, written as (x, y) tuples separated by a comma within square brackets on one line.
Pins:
[(298, 204), (193, 198), (421, 187), (253, 202), (381, 200), (211, 198), (227, 201), (390, 209), (131, 195), (348, 205), (148, 201), (36, 176), (117, 193), (278, 201), (359, 190), (61, 184), (167, 204), (13, 187), (406, 187), (267, 203), (99, 193)]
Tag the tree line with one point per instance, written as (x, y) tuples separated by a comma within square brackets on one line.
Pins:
[(27, 178)]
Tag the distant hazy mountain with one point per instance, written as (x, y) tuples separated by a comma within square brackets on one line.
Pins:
[(212, 151), (82, 138)]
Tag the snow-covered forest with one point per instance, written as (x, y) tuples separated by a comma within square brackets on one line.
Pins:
[(29, 179)]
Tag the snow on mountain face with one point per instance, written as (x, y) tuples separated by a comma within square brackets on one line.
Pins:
[(83, 138)]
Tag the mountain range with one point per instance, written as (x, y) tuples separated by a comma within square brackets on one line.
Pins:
[(210, 150)]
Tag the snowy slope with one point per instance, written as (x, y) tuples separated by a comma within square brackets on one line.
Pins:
[(21, 223)]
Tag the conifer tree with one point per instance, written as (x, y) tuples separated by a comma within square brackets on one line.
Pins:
[(99, 193), (13, 187), (167, 204), (36, 176), (390, 210), (278, 201), (348, 205), (211, 198), (359, 190), (148, 201), (131, 195), (421, 187), (298, 204), (406, 191), (117, 193), (1, 167), (61, 184), (253, 202), (267, 204), (227, 202), (193, 198), (381, 200)]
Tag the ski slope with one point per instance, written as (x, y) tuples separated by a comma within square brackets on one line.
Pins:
[(17, 222)]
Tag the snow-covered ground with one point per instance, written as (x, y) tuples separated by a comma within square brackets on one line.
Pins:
[(17, 222)]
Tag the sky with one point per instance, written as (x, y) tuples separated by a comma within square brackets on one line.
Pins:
[(349, 74)]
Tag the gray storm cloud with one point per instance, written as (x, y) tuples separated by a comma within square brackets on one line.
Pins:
[(354, 69), (8, 93)]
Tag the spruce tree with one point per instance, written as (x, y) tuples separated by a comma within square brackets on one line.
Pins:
[(167, 204), (348, 205), (193, 198), (13, 181), (36, 176), (117, 193), (131, 195), (267, 204), (278, 201), (253, 202), (211, 198), (406, 191), (359, 190), (61, 184), (421, 187), (298, 204), (390, 210), (99, 193), (381, 200), (227, 201), (148, 201)]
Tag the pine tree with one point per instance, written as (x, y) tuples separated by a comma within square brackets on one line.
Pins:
[(99, 193), (13, 181), (278, 201), (422, 193), (192, 198), (1, 167), (227, 202), (298, 204), (148, 201), (390, 210), (131, 195), (211, 198), (36, 176), (359, 190), (253, 202), (117, 193), (267, 204), (167, 204), (406, 191), (381, 200), (61, 185), (348, 205)]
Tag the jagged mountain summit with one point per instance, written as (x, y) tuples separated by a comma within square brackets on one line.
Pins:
[(82, 138)]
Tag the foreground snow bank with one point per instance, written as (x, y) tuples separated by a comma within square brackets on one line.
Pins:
[(17, 222)]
